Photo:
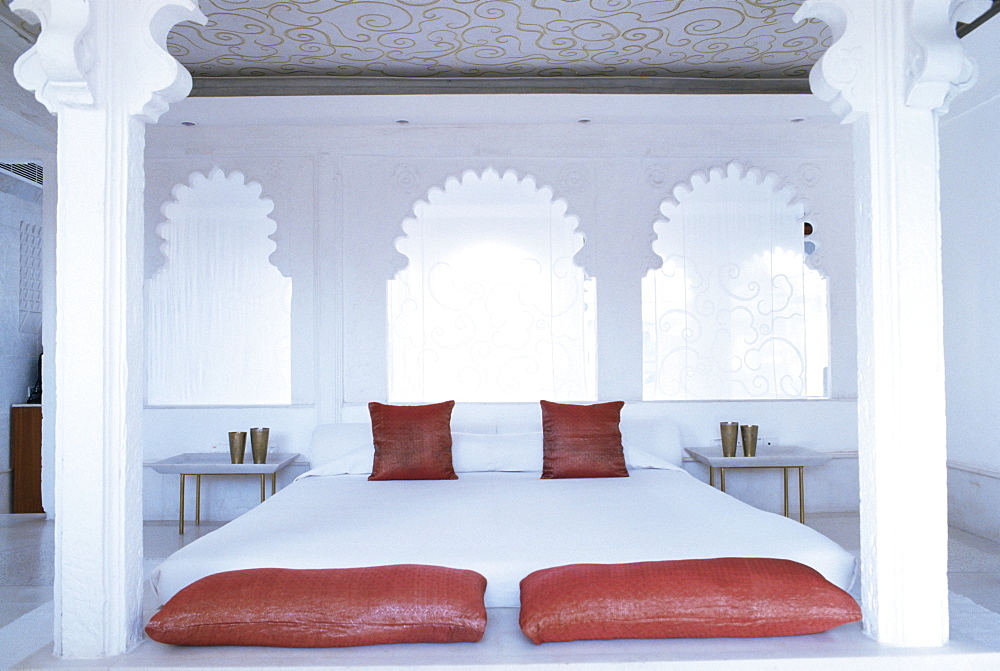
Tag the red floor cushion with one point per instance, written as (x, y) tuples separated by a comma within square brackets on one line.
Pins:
[(691, 598), (315, 608)]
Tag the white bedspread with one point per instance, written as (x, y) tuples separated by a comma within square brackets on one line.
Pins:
[(503, 525)]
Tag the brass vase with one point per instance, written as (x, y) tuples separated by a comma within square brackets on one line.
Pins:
[(258, 445), (729, 431), (749, 435), (237, 446)]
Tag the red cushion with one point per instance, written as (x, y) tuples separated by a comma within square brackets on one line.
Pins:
[(318, 608), (412, 442), (582, 441), (691, 598)]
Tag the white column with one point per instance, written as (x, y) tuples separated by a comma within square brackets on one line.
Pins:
[(101, 67), (891, 70)]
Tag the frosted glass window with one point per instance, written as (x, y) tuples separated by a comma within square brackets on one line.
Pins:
[(218, 313), (735, 312), (491, 306)]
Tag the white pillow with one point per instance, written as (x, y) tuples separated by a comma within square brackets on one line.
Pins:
[(338, 449), (356, 462), (648, 444), (635, 458), (478, 452), (651, 443)]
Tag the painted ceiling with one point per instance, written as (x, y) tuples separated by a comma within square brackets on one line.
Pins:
[(714, 39)]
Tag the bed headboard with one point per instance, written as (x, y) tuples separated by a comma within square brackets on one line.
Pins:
[(656, 437)]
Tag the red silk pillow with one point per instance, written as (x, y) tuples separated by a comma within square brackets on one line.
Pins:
[(319, 608), (691, 598), (582, 441), (412, 442)]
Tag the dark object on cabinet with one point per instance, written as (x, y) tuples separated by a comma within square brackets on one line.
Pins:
[(35, 393), (26, 457)]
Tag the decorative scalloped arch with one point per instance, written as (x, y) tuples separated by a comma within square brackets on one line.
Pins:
[(218, 314), (491, 306), (734, 312)]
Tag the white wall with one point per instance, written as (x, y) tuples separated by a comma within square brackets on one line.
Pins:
[(341, 191), (27, 134), (970, 202), (20, 331)]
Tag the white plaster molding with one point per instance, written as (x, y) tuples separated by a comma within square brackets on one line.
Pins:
[(935, 68), (939, 67), (972, 497), (784, 193), (56, 67), (974, 470), (91, 51), (406, 178)]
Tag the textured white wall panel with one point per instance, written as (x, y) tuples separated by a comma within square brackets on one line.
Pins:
[(20, 209)]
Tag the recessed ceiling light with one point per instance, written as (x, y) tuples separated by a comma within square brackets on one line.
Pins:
[(188, 123)]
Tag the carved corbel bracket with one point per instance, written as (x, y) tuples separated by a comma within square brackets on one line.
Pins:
[(85, 45), (871, 38), (56, 66), (939, 68)]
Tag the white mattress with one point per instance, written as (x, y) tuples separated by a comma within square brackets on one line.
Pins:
[(503, 525)]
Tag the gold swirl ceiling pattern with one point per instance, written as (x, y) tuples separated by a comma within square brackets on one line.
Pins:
[(755, 39)]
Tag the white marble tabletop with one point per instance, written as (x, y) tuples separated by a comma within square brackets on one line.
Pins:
[(218, 463), (772, 456)]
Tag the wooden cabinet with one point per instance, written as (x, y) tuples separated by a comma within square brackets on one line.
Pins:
[(26, 457)]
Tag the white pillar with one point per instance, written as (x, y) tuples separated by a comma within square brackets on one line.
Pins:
[(891, 71), (101, 67)]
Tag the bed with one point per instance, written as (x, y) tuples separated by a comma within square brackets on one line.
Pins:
[(498, 518)]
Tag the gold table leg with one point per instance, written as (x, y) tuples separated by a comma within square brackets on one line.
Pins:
[(181, 522), (197, 495), (802, 498), (785, 471)]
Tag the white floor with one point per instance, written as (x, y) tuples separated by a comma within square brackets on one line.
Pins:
[(974, 575)]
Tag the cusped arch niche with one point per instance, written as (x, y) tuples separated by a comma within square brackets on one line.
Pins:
[(218, 314), (734, 312), (491, 306)]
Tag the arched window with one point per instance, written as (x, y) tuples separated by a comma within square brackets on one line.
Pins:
[(218, 314), (734, 312), (491, 306)]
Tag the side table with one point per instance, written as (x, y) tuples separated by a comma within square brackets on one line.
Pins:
[(783, 457), (208, 463)]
